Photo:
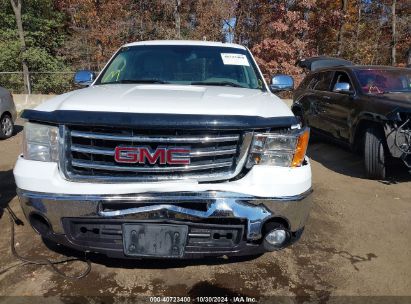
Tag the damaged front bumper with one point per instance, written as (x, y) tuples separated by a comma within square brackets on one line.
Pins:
[(218, 223), (398, 133)]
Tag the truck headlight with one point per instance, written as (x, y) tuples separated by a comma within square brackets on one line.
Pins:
[(279, 149), (40, 142)]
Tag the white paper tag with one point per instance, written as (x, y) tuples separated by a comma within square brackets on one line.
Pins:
[(234, 59)]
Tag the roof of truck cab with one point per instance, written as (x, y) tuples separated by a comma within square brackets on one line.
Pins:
[(185, 42)]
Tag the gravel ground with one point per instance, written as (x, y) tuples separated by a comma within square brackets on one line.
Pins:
[(356, 243)]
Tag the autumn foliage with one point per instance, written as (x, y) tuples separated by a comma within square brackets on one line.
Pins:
[(286, 38), (278, 32)]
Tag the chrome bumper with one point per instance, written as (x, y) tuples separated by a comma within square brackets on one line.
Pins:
[(255, 211)]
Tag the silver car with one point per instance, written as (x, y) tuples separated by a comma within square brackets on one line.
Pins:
[(8, 114)]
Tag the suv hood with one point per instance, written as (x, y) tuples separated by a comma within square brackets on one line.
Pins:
[(403, 98), (170, 99), (393, 100)]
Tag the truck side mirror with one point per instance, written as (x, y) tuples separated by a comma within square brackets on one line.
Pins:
[(281, 83), (84, 77)]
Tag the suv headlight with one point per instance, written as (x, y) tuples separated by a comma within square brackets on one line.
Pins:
[(40, 142), (279, 149)]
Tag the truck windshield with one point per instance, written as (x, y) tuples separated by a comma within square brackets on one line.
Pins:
[(188, 65), (379, 81)]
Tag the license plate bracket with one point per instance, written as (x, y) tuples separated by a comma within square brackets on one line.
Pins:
[(154, 240)]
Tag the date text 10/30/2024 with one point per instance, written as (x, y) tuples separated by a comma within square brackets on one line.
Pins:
[(234, 299)]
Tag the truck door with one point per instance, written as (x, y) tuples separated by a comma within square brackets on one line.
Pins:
[(338, 103)]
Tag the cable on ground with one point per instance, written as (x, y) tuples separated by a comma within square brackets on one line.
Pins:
[(41, 262)]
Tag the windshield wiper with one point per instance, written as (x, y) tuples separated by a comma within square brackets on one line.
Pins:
[(218, 83), (126, 81)]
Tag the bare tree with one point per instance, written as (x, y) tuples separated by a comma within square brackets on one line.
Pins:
[(344, 7), (394, 33), (358, 26), (177, 18), (16, 4)]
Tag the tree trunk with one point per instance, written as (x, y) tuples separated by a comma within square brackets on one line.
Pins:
[(16, 4), (394, 34), (238, 22), (358, 26), (177, 18), (408, 58), (344, 7)]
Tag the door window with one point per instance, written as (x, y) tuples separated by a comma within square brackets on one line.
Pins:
[(305, 84), (323, 81)]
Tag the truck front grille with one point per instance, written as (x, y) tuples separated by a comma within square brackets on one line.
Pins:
[(89, 154)]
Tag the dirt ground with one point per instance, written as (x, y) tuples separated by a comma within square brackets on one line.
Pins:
[(357, 243)]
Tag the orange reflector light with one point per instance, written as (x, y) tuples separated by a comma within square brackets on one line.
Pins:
[(301, 148)]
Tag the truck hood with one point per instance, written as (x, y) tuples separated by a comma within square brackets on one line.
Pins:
[(170, 99)]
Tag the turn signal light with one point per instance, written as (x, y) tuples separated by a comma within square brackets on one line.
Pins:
[(301, 148)]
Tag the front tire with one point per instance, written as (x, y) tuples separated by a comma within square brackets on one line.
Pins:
[(375, 155), (6, 126)]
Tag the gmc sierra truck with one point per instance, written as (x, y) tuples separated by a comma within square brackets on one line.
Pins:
[(177, 149)]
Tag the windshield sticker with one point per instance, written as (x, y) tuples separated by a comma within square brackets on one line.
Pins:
[(234, 59)]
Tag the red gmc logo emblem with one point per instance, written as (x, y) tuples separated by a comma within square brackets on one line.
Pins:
[(144, 155)]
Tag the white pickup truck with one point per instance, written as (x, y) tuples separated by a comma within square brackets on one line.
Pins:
[(177, 149)]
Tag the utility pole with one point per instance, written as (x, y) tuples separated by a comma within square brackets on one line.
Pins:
[(16, 4)]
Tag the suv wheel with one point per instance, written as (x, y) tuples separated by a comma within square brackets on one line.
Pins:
[(375, 156), (6, 126)]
